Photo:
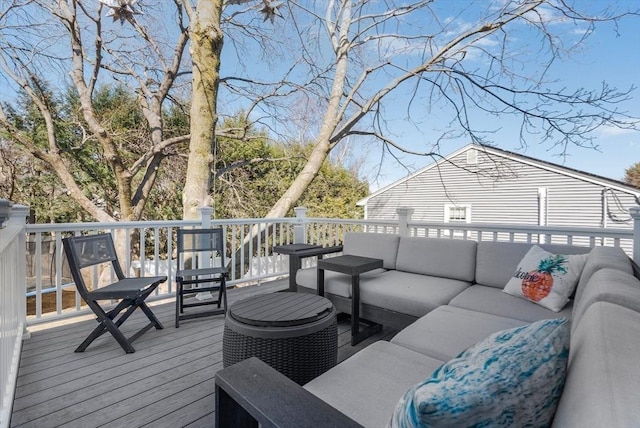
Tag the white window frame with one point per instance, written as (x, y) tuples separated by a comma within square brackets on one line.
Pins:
[(447, 216)]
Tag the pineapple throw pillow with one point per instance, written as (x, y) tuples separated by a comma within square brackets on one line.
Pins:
[(545, 278)]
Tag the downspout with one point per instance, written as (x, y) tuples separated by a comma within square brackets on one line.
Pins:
[(542, 211), (605, 210), (603, 203)]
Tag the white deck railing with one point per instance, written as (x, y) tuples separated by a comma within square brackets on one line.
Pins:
[(50, 290), (40, 279), (51, 293), (12, 307)]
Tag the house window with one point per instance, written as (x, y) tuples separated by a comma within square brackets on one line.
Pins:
[(457, 213)]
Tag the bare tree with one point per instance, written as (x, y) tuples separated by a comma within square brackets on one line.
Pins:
[(84, 44), (357, 63), (206, 48), (445, 72)]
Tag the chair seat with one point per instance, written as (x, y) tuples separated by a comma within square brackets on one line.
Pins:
[(127, 288)]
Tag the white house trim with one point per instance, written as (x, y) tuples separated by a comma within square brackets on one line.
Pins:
[(569, 172)]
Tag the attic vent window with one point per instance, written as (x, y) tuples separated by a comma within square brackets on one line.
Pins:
[(472, 157)]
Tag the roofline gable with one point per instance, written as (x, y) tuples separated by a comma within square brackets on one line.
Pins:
[(549, 166)]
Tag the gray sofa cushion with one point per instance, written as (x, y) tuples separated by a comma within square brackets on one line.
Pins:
[(497, 261), (334, 282), (603, 383), (409, 293), (446, 331), (376, 245), (367, 386), (609, 285), (600, 258), (492, 300), (446, 258)]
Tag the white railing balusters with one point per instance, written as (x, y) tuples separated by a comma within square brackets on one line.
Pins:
[(257, 252), (13, 273)]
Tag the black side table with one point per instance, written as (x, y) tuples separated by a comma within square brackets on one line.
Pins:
[(354, 266), (295, 333), (297, 252)]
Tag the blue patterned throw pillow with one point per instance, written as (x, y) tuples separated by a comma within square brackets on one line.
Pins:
[(512, 378)]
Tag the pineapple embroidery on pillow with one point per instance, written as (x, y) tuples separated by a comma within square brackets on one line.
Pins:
[(545, 278), (537, 284)]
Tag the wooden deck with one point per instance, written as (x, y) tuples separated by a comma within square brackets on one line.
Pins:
[(167, 382)]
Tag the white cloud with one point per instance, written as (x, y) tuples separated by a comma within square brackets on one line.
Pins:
[(614, 131)]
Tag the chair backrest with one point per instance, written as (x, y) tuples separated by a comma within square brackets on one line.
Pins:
[(90, 250), (208, 244)]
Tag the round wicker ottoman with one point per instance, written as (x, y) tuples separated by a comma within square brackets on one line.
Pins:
[(295, 333)]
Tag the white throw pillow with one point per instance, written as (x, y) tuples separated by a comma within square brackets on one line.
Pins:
[(545, 278)]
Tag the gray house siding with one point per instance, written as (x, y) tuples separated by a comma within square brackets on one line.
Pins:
[(503, 189)]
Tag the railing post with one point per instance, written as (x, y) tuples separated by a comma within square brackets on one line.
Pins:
[(635, 213), (19, 215), (404, 218), (300, 226), (205, 216)]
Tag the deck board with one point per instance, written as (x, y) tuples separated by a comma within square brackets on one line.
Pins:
[(167, 382)]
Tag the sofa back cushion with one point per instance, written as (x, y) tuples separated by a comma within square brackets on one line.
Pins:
[(603, 380), (497, 261), (607, 285), (446, 258), (600, 258), (376, 245)]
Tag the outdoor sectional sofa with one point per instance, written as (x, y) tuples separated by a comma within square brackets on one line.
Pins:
[(448, 295)]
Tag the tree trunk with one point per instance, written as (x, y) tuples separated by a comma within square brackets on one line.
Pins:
[(206, 45), (330, 122)]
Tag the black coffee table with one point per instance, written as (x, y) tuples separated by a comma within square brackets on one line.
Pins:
[(295, 333), (354, 266)]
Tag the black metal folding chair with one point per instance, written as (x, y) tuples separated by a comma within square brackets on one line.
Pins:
[(200, 262), (86, 251)]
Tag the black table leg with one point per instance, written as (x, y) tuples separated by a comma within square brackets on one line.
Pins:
[(358, 335), (295, 262), (355, 307), (320, 283)]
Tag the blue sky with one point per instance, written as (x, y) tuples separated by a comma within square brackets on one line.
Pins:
[(608, 56)]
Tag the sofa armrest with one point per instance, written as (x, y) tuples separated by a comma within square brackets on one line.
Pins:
[(252, 393)]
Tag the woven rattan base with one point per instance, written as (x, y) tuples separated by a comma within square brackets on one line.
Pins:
[(301, 358), (295, 333)]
